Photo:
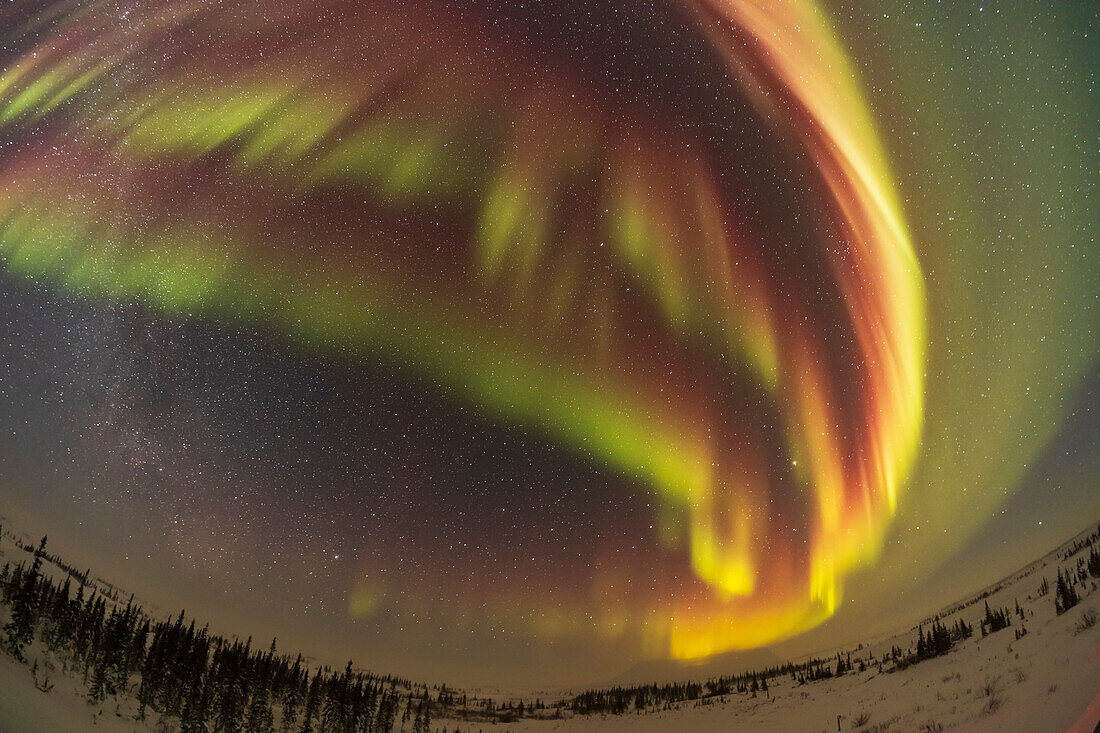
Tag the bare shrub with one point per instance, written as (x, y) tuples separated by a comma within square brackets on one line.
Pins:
[(882, 727), (1088, 620), (861, 720), (991, 691), (932, 727)]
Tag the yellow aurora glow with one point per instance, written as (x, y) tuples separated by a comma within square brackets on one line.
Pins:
[(602, 276)]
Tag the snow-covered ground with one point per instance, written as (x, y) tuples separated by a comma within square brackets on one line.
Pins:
[(26, 709), (1047, 680)]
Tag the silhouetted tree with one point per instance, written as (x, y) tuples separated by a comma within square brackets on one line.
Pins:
[(24, 608), (1065, 597), (1094, 562)]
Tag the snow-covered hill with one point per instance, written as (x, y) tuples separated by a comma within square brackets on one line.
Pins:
[(1047, 679)]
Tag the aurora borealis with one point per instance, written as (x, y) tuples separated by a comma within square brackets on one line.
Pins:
[(536, 330)]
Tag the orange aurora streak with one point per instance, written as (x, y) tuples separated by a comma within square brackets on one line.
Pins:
[(552, 238)]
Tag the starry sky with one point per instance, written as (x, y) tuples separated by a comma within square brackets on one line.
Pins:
[(484, 341)]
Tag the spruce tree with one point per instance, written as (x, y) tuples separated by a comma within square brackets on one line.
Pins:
[(24, 611), (1094, 562), (260, 717), (313, 703), (387, 710), (1065, 596), (1059, 590), (292, 698)]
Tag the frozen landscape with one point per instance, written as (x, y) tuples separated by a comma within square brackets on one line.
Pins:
[(1041, 672), (508, 366)]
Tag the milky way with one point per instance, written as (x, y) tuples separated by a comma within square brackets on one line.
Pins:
[(660, 246)]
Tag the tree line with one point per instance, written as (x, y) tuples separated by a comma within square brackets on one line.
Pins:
[(623, 699), (1066, 595), (206, 681), (211, 683)]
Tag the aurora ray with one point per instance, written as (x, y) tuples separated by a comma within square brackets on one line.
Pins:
[(724, 305)]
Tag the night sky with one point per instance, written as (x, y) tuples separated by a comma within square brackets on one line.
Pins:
[(501, 341)]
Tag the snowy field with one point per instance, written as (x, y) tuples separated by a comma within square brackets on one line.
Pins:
[(1046, 680)]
